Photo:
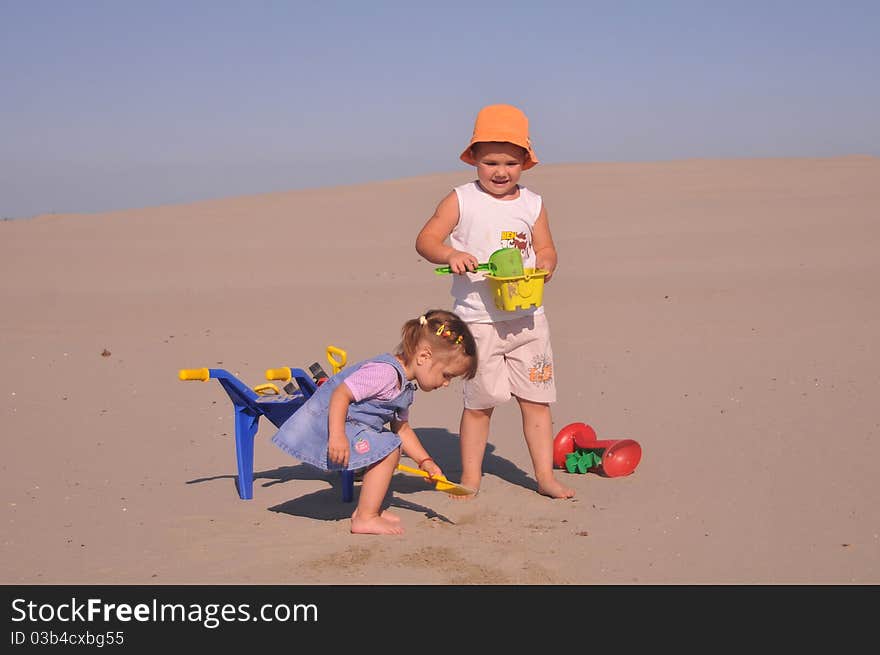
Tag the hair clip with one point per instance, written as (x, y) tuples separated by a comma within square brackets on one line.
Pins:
[(423, 320), (458, 339), (440, 329)]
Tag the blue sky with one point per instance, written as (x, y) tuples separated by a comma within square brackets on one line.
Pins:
[(122, 104)]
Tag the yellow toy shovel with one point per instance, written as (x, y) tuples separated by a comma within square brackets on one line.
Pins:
[(442, 483)]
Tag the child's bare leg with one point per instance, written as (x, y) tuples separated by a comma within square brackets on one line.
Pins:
[(474, 434), (537, 424), (369, 518)]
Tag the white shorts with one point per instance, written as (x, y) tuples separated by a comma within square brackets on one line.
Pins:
[(514, 358)]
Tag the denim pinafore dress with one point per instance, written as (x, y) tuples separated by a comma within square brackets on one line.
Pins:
[(305, 435)]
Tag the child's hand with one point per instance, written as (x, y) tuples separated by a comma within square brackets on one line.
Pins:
[(338, 449), (459, 262), (547, 263), (430, 467)]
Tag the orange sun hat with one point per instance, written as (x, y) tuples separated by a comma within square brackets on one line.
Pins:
[(504, 123)]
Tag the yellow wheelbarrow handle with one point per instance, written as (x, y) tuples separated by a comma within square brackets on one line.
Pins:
[(201, 374), (282, 374)]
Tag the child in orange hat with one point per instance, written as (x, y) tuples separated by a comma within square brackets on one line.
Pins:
[(515, 358)]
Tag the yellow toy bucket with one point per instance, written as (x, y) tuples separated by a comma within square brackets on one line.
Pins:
[(520, 291)]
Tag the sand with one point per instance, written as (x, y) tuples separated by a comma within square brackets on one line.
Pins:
[(722, 313)]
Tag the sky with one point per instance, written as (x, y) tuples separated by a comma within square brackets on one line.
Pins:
[(124, 104)]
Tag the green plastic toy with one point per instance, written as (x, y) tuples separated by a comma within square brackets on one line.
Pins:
[(506, 262), (581, 460)]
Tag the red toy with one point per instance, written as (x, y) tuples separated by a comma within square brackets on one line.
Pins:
[(619, 457)]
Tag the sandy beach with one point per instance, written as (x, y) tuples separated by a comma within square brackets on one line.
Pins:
[(722, 313)]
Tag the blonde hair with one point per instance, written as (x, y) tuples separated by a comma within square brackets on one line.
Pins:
[(445, 332)]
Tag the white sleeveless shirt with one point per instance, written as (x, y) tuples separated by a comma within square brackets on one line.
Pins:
[(486, 224)]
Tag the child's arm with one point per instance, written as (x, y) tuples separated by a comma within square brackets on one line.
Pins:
[(542, 242), (337, 448), (414, 449), (431, 241)]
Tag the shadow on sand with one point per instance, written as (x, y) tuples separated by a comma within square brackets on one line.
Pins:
[(327, 505)]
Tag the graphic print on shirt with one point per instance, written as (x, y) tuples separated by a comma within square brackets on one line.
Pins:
[(541, 371), (512, 239)]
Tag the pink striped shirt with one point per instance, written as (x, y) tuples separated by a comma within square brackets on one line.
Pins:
[(375, 380)]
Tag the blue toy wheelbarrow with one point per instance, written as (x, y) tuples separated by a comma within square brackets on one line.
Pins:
[(269, 401)]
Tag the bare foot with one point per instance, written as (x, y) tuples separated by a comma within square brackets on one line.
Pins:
[(394, 518), (374, 525), (555, 489), (470, 484)]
